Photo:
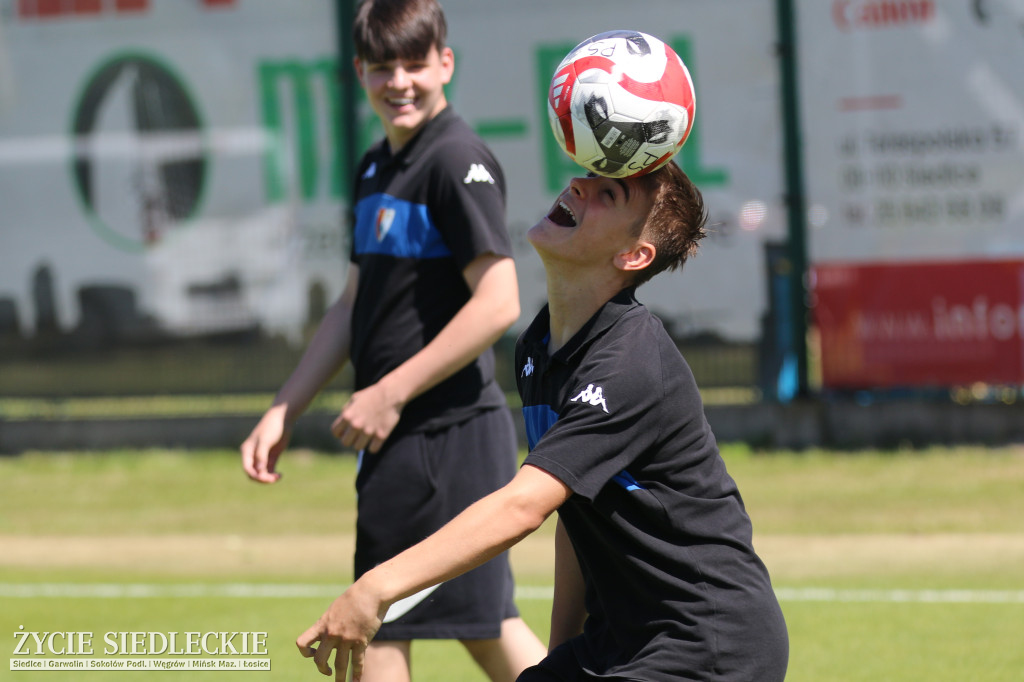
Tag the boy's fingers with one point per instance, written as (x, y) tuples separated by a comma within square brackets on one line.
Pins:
[(341, 666), (255, 456), (306, 640), (262, 464), (322, 657), (248, 458), (358, 655)]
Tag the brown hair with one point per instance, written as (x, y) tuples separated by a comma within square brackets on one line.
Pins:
[(384, 30), (675, 222)]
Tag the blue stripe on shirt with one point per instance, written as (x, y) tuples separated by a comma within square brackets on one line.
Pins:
[(395, 227)]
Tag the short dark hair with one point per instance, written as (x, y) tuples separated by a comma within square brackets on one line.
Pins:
[(676, 221), (384, 30)]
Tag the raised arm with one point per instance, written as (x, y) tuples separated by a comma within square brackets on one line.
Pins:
[(481, 532)]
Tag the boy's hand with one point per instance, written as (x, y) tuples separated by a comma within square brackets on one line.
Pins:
[(346, 629), (368, 418), (264, 446)]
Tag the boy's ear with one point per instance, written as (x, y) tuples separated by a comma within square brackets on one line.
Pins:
[(637, 258), (358, 66), (447, 63)]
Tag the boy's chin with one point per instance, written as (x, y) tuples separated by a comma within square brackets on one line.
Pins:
[(545, 235)]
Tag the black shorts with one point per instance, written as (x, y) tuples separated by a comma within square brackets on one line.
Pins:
[(413, 486)]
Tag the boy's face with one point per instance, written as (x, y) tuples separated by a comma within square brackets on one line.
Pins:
[(592, 221), (406, 93)]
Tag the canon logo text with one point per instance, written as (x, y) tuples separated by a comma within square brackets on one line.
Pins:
[(871, 14)]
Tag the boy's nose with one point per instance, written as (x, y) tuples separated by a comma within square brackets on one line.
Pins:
[(579, 185), (400, 78)]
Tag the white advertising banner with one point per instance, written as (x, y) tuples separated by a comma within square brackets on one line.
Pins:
[(188, 153), (506, 54), (150, 147), (913, 116)]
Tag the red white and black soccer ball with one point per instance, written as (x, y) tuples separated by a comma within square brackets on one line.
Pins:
[(621, 103)]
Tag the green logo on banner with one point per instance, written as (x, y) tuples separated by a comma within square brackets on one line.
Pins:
[(139, 165)]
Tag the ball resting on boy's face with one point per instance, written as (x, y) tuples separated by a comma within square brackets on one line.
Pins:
[(621, 104)]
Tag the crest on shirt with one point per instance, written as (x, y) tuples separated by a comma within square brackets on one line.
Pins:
[(385, 217)]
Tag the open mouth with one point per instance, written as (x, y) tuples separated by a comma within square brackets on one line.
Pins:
[(562, 215)]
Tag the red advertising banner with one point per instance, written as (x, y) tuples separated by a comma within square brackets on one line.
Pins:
[(920, 324)]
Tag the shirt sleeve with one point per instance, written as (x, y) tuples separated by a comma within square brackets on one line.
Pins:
[(467, 201)]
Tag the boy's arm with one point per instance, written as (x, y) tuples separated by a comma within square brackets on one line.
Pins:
[(481, 532), (326, 353), (372, 413), (568, 610)]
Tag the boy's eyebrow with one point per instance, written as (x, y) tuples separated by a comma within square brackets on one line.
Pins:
[(619, 181), (395, 58), (625, 187)]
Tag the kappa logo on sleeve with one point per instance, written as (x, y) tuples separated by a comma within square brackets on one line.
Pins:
[(593, 395), (478, 173), (527, 368)]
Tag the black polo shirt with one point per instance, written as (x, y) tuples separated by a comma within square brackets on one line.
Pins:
[(673, 586), (421, 216)]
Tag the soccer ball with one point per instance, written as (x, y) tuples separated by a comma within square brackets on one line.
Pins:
[(621, 103)]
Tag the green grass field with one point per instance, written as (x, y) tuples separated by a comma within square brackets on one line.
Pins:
[(890, 566)]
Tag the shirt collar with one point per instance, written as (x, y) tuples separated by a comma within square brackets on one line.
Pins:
[(539, 330), (420, 143)]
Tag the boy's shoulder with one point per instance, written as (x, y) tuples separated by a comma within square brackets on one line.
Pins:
[(631, 322), (451, 137), (638, 345)]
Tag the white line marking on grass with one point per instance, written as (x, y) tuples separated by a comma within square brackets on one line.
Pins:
[(534, 593), (525, 593), (184, 590), (160, 591), (900, 596)]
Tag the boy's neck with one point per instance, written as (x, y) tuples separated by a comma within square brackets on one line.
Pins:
[(574, 300)]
